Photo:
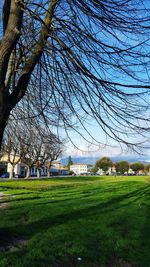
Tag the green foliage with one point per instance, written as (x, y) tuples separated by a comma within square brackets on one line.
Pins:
[(147, 167), (70, 162), (100, 220), (137, 166), (94, 170), (104, 163), (122, 166)]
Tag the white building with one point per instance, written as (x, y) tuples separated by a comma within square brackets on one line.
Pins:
[(6, 166), (56, 169), (80, 168), (57, 164), (130, 171), (110, 171)]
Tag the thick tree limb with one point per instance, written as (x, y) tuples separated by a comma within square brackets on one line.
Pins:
[(13, 25), (36, 55)]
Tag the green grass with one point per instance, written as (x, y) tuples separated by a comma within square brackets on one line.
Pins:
[(105, 221)]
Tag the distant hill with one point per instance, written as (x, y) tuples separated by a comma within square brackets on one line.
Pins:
[(92, 160), (86, 160)]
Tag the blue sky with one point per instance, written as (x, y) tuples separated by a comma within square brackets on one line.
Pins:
[(85, 148)]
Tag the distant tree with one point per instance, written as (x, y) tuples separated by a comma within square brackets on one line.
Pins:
[(30, 143), (35, 153), (55, 151), (42, 147), (13, 148), (94, 170), (104, 163), (147, 168), (137, 166), (122, 166), (70, 162)]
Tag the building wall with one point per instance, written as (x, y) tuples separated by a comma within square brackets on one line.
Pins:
[(3, 167), (19, 167), (16, 169), (79, 168), (43, 171)]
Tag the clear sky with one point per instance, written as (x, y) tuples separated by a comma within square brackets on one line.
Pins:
[(80, 147)]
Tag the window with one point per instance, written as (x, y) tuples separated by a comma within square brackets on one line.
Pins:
[(3, 167)]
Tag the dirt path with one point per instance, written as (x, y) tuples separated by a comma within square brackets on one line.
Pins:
[(3, 200), (8, 241)]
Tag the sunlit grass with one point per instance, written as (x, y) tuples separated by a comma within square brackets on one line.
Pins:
[(77, 221)]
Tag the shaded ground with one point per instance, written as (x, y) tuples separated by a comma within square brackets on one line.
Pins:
[(3, 200), (9, 242)]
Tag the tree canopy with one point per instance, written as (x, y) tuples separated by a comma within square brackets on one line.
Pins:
[(31, 144), (137, 166), (122, 166), (70, 162), (104, 163), (72, 61)]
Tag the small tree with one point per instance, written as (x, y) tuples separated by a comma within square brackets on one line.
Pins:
[(104, 163), (122, 166), (137, 166)]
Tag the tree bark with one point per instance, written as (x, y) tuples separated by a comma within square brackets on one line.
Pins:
[(3, 121), (4, 110), (48, 172), (48, 169), (11, 172), (2, 128), (38, 173), (12, 23), (28, 172)]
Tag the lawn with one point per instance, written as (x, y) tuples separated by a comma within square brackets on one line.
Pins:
[(76, 221)]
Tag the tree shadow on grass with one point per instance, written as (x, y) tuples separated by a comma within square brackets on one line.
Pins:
[(103, 207), (110, 206), (132, 196), (145, 238)]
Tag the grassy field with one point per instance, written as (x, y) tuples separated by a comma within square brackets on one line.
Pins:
[(76, 221)]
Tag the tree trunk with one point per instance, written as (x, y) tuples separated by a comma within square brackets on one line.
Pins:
[(28, 172), (4, 114), (38, 173), (11, 172), (48, 169), (2, 128), (48, 172)]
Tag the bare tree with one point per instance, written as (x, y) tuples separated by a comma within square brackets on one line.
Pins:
[(55, 151), (27, 153), (39, 146), (32, 144), (74, 61), (2, 152), (40, 156), (46, 149), (13, 150)]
